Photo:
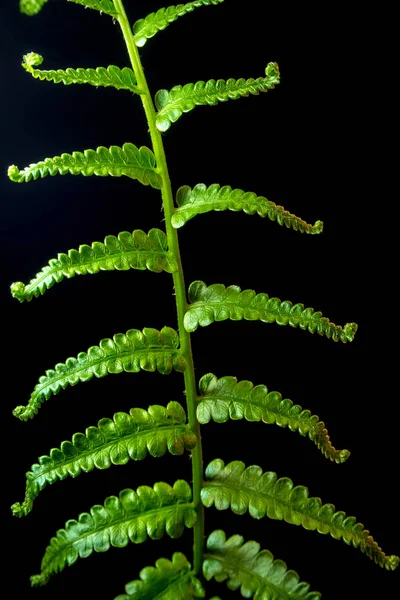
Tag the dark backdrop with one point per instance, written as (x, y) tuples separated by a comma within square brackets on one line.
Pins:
[(308, 145)]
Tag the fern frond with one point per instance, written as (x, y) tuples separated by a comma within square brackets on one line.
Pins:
[(127, 436), (202, 199), (131, 517), (248, 489), (136, 163), (150, 350), (226, 398), (112, 76), (31, 7), (168, 580), (146, 28), (219, 303), (181, 99), (104, 6), (256, 573), (136, 250)]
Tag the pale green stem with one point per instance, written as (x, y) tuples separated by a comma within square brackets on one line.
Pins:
[(179, 282)]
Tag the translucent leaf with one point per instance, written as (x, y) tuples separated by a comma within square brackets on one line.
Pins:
[(202, 199), (150, 350), (31, 7), (226, 398), (112, 442), (145, 29), (132, 517), (256, 573), (104, 6), (168, 580), (136, 163), (263, 494), (219, 303), (136, 250), (181, 99), (112, 76)]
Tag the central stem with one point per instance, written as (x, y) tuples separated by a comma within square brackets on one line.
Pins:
[(179, 282)]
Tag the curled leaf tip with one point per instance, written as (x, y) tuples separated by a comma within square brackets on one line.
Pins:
[(32, 59), (350, 330), (37, 580), (19, 412), (18, 290), (272, 69), (13, 173), (318, 227), (392, 562), (17, 510), (343, 455)]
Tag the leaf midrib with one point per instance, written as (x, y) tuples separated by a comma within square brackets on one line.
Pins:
[(85, 453), (251, 573), (49, 273), (204, 94), (231, 399), (37, 391), (169, 508), (249, 490)]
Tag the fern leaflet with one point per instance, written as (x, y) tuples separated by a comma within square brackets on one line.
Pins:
[(181, 99), (104, 6), (256, 573), (219, 303), (31, 7), (112, 76), (168, 580), (128, 436), (202, 199), (131, 517), (233, 486), (136, 163), (146, 28), (226, 398), (136, 250), (151, 350)]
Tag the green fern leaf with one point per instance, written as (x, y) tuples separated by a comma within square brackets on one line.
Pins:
[(226, 398), (151, 350), (104, 6), (145, 29), (31, 7), (168, 580), (136, 250), (202, 199), (233, 486), (131, 517), (128, 436), (181, 99), (256, 573), (218, 303), (112, 76), (136, 163)]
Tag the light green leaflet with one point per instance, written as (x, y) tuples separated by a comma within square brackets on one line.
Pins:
[(256, 573), (202, 199), (112, 76), (150, 350), (136, 250), (145, 29), (168, 580), (136, 163), (133, 516), (181, 99), (219, 303), (226, 398), (113, 442), (264, 495)]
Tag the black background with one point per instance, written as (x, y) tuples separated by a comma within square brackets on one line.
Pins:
[(308, 145)]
